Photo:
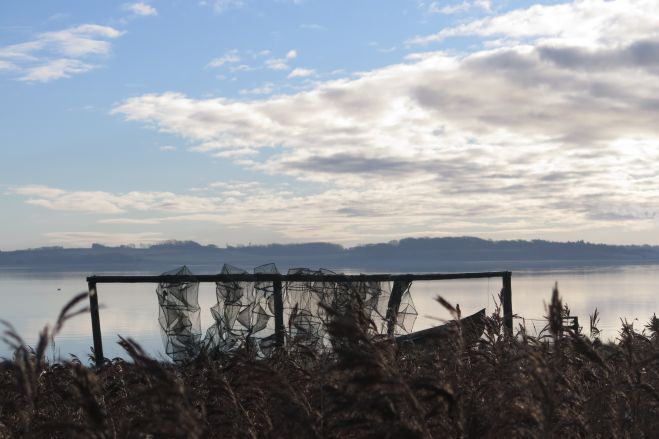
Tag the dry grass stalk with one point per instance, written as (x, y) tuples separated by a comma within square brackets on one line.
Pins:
[(561, 383)]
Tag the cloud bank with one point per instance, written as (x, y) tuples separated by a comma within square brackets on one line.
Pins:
[(548, 126)]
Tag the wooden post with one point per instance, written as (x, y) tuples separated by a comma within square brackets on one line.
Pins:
[(96, 324), (394, 303), (280, 331), (507, 299)]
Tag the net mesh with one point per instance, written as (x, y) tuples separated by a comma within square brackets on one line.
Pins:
[(244, 314), (407, 313), (306, 302), (304, 313), (179, 314)]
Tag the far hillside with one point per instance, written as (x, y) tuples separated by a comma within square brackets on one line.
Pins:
[(406, 255)]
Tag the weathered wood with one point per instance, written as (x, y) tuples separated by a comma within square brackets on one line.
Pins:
[(280, 330), (298, 277), (400, 286), (96, 324), (507, 299)]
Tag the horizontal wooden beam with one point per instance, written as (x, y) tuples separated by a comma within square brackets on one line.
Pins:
[(298, 277)]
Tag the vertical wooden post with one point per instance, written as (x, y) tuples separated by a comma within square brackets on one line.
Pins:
[(279, 313), (96, 324), (507, 299), (394, 303)]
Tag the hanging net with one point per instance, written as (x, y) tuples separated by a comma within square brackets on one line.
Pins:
[(243, 314), (407, 313), (179, 317), (303, 311), (306, 305)]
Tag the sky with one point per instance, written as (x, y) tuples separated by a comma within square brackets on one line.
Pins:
[(261, 121)]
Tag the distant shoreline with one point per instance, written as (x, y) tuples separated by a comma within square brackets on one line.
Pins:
[(413, 255)]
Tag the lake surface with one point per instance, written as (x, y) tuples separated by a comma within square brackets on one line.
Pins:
[(31, 300)]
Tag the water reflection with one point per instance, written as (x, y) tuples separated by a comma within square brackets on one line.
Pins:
[(31, 300)]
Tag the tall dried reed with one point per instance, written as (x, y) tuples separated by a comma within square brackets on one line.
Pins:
[(560, 383)]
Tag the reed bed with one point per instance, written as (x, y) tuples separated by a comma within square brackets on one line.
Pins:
[(562, 383)]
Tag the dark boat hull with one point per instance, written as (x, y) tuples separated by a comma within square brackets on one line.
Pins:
[(472, 328)]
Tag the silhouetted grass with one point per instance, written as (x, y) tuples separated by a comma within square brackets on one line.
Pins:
[(558, 384)]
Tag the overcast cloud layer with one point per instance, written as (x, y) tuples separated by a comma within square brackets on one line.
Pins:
[(549, 125), (557, 131)]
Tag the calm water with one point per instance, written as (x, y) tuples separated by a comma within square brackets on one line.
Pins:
[(32, 300)]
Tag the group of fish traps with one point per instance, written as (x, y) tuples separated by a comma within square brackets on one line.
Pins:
[(244, 314)]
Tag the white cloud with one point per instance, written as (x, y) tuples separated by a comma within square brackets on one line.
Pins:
[(229, 58), (442, 7), (280, 63), (59, 54), (39, 190), (110, 203), (140, 8), (581, 22), (241, 68), (130, 221), (56, 69), (276, 64), (167, 148), (558, 133), (301, 73), (264, 89), (509, 139), (232, 58), (79, 41), (375, 209)]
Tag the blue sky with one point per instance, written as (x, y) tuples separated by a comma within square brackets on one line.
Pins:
[(228, 121)]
